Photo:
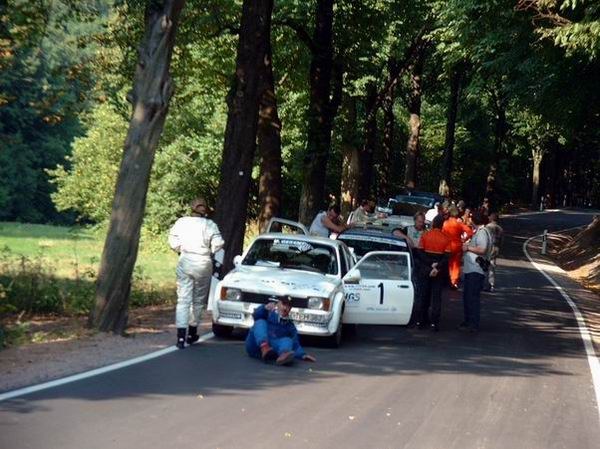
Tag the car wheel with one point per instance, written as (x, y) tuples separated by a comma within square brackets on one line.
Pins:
[(335, 340), (221, 331), (349, 329)]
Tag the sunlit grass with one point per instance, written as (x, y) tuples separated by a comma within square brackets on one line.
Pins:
[(73, 250)]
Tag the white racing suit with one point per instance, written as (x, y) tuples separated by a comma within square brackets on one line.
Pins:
[(193, 284), (196, 239)]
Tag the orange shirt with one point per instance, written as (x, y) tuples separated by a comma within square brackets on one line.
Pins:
[(435, 241), (454, 229)]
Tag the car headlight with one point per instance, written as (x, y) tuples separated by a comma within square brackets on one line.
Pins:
[(231, 294), (318, 303)]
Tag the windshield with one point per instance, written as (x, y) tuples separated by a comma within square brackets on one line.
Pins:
[(290, 253), (364, 245)]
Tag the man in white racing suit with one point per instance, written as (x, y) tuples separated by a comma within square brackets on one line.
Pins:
[(196, 239)]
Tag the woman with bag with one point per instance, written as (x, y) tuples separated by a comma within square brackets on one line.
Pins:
[(476, 262)]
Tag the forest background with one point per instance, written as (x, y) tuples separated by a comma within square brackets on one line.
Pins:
[(519, 81)]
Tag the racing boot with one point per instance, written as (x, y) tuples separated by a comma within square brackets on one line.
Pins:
[(192, 336), (266, 352), (181, 337), (287, 358)]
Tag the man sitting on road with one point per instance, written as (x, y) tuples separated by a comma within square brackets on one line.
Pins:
[(327, 222), (274, 336)]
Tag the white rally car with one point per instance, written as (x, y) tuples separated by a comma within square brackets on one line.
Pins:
[(319, 274)]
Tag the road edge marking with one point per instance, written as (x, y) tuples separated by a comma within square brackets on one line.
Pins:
[(584, 332), (95, 372)]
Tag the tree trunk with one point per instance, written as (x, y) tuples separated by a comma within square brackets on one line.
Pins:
[(242, 123), (446, 171), (370, 142), (152, 91), (414, 109), (387, 105), (500, 130), (269, 148), (350, 155), (537, 155), (320, 114)]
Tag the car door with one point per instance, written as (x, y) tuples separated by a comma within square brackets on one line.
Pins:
[(285, 226), (379, 289)]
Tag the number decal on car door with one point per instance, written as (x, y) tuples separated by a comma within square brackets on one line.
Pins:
[(380, 293)]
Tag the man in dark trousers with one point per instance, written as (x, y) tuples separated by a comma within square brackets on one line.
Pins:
[(274, 336), (432, 265)]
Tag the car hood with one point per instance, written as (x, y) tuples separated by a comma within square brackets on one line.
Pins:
[(277, 281)]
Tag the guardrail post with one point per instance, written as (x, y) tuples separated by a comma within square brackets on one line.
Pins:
[(544, 241)]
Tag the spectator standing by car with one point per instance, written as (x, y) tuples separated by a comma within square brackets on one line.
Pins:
[(431, 213), (414, 232), (461, 206), (496, 233), (455, 229), (466, 217), (196, 239), (485, 210), (274, 336), (327, 222), (363, 213), (475, 253), (432, 259)]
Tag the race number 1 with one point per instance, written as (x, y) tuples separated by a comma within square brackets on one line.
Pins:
[(380, 293)]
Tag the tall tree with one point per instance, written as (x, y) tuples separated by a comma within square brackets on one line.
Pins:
[(387, 141), (152, 91), (324, 101), (451, 115), (242, 123), (370, 142), (270, 187), (414, 109), (350, 157)]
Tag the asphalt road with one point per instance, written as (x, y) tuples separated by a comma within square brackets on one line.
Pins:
[(522, 382)]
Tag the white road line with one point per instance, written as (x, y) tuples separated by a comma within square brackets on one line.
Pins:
[(586, 336), (95, 372)]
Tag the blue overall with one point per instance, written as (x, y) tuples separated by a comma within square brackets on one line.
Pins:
[(281, 334)]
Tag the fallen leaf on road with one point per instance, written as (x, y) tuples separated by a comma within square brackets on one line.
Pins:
[(351, 418), (388, 414), (200, 396), (288, 435)]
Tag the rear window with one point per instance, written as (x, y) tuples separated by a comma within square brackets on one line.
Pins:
[(362, 245)]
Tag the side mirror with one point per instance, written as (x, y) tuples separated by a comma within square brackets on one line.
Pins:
[(353, 277), (237, 260)]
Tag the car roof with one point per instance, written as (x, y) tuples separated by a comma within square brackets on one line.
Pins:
[(373, 231), (301, 237)]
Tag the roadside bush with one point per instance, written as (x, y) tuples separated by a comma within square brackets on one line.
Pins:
[(30, 285)]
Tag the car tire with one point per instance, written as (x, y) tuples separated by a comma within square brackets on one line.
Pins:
[(335, 340), (222, 331), (349, 329)]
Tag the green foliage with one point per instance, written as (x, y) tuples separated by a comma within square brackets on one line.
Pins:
[(88, 186), (45, 82)]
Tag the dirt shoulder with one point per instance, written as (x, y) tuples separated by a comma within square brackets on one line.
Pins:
[(64, 346), (573, 260), (578, 253)]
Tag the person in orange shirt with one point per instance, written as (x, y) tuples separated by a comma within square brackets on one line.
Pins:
[(456, 229), (432, 261)]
